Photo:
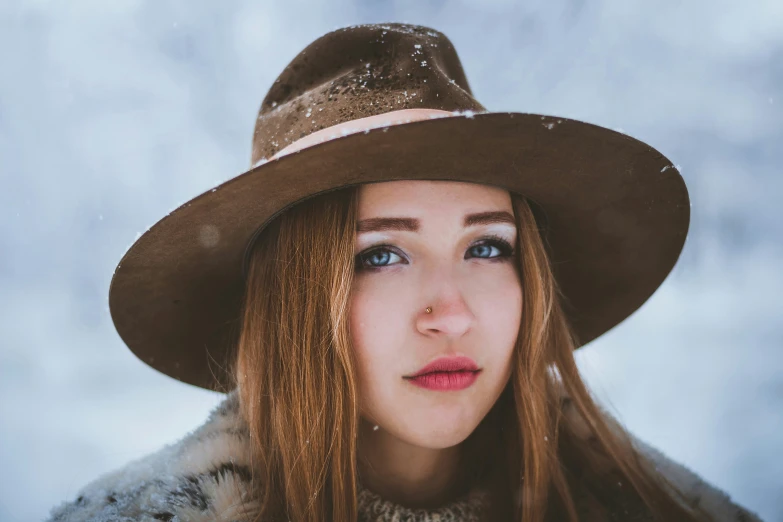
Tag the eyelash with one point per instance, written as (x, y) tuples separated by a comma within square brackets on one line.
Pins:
[(505, 248)]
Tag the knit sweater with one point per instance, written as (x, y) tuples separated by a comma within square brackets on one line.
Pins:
[(205, 478)]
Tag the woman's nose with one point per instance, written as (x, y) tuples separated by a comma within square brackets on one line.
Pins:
[(450, 314)]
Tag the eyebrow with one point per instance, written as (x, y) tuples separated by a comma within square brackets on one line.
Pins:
[(412, 224)]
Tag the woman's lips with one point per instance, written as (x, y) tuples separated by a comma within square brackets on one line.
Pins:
[(446, 373), (445, 381)]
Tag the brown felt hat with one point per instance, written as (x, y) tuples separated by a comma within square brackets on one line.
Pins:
[(615, 210)]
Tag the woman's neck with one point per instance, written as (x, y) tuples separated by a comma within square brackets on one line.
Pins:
[(405, 474)]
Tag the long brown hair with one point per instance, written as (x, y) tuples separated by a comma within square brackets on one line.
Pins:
[(298, 385)]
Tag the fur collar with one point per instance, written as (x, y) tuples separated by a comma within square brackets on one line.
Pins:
[(205, 477)]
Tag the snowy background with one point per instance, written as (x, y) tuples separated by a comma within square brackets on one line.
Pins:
[(113, 113)]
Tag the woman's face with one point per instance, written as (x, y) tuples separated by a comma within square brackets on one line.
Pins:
[(466, 274)]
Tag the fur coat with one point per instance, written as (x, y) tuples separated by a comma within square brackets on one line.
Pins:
[(205, 476)]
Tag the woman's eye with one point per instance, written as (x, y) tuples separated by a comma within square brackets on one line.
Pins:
[(485, 250), (492, 247), (383, 256), (375, 258)]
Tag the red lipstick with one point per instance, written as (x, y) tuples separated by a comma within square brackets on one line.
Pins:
[(446, 373)]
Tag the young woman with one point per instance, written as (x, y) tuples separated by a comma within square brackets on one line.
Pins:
[(391, 297)]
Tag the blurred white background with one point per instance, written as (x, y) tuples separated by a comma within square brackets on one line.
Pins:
[(114, 113)]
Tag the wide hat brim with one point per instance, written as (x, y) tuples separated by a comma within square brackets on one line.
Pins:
[(617, 215)]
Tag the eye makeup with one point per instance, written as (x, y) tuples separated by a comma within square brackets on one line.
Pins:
[(503, 246)]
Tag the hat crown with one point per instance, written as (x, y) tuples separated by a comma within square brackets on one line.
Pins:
[(356, 72)]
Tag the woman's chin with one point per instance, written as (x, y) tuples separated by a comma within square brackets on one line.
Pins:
[(439, 430), (441, 440)]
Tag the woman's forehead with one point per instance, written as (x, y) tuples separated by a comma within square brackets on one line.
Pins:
[(430, 199)]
